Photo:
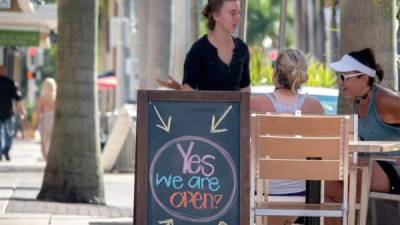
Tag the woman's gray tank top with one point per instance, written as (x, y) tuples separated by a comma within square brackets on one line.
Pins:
[(371, 127), (280, 187)]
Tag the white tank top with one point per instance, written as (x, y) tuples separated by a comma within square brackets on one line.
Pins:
[(282, 187)]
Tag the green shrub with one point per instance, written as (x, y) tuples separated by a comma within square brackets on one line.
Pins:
[(319, 75), (260, 68)]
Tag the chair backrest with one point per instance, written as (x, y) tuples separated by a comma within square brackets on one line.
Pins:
[(300, 147), (306, 147)]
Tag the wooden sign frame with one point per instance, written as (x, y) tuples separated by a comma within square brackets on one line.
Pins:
[(141, 173)]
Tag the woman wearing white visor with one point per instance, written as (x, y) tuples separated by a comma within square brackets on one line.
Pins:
[(378, 112)]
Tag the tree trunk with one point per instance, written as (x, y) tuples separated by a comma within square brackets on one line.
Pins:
[(159, 40), (333, 34), (370, 23), (194, 21), (243, 23), (103, 41), (141, 45), (74, 172), (154, 28), (300, 24), (180, 36), (319, 30)]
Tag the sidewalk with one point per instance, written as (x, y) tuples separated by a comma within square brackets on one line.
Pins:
[(20, 181)]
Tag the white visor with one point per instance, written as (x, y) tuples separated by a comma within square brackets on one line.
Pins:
[(348, 64)]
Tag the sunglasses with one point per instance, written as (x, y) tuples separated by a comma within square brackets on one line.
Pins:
[(273, 64), (343, 77)]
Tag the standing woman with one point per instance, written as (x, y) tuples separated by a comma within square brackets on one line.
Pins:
[(378, 112), (218, 61), (45, 112)]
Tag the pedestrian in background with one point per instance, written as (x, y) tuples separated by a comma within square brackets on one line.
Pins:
[(45, 112), (8, 92)]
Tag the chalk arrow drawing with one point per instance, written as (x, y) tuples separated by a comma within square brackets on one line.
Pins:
[(167, 222), (164, 127), (214, 124)]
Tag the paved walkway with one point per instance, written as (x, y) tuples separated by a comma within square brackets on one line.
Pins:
[(20, 181)]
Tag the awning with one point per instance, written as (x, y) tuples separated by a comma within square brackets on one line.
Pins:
[(106, 80), (19, 38), (27, 27)]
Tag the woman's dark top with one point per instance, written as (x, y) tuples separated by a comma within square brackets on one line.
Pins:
[(204, 70)]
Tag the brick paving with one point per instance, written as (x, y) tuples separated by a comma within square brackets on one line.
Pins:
[(54, 208)]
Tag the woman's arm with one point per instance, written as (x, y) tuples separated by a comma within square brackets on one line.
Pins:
[(186, 87), (171, 83), (388, 106), (245, 77), (246, 89), (192, 69), (39, 109)]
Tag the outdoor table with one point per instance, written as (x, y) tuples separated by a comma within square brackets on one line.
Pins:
[(373, 146), (356, 147)]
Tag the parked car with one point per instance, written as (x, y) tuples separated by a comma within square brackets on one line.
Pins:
[(327, 96)]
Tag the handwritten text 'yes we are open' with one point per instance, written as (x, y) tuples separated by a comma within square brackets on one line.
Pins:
[(201, 181)]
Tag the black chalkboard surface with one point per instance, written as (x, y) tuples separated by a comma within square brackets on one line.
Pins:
[(192, 158)]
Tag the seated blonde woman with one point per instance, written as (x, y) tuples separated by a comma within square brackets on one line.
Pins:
[(289, 74)]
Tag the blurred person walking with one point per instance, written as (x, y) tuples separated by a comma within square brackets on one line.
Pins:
[(45, 113), (8, 92)]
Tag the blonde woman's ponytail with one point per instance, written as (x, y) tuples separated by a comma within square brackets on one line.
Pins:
[(292, 69)]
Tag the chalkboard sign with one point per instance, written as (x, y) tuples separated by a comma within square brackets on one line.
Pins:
[(192, 158)]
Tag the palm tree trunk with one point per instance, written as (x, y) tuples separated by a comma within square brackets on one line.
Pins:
[(370, 23), (194, 21), (141, 44), (333, 34), (301, 25), (103, 45), (319, 30), (159, 40), (154, 28), (74, 172)]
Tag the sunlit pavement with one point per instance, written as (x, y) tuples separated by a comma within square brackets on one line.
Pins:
[(20, 181)]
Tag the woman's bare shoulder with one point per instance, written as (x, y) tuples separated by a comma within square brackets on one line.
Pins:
[(261, 104), (388, 97), (388, 106), (312, 106)]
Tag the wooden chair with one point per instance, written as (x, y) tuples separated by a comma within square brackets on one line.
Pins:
[(282, 146), (366, 194), (366, 172)]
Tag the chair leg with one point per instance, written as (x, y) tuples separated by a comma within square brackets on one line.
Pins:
[(259, 220), (265, 220), (366, 183), (352, 196)]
